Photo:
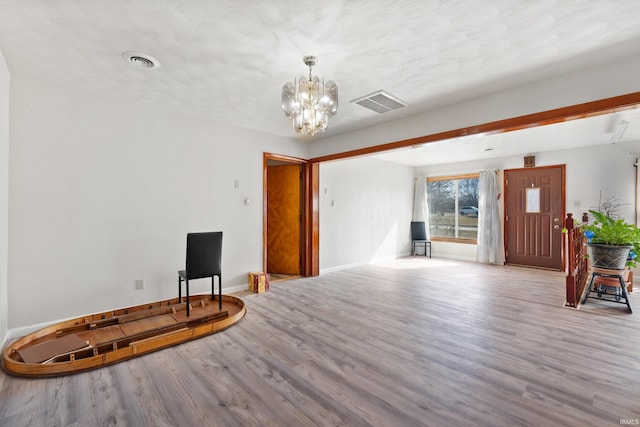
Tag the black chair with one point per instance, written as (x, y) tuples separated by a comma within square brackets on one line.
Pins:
[(204, 259), (419, 237)]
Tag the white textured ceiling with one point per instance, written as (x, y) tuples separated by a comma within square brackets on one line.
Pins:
[(228, 59)]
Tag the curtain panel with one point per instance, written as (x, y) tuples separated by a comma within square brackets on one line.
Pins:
[(490, 243), (421, 203)]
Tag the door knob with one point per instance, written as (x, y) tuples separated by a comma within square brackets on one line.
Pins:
[(556, 219), (555, 227)]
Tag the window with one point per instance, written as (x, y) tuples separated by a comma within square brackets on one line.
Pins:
[(453, 208)]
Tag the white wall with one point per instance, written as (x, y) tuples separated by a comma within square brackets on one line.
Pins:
[(608, 169), (4, 194), (103, 192), (365, 211), (611, 79)]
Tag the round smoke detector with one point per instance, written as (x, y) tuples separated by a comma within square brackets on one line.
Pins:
[(141, 60)]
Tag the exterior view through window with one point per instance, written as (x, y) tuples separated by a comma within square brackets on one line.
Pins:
[(453, 207)]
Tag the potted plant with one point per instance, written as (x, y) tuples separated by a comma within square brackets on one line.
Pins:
[(612, 243)]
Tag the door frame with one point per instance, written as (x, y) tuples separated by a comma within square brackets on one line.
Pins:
[(563, 207), (306, 227)]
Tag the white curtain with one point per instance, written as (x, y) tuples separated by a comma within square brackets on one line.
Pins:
[(490, 243), (636, 166), (420, 203)]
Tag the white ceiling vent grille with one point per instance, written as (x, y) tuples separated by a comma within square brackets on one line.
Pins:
[(380, 102), (141, 60)]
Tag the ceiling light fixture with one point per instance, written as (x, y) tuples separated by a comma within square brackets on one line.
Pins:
[(309, 101), (141, 60)]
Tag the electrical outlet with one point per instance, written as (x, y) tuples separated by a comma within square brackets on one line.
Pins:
[(139, 283)]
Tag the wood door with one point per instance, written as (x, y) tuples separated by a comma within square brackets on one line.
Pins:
[(534, 200), (283, 219)]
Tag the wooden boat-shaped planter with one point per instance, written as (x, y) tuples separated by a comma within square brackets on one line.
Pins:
[(102, 339)]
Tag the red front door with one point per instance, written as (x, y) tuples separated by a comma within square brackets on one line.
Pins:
[(534, 200)]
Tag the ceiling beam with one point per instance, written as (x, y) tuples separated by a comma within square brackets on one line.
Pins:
[(573, 112)]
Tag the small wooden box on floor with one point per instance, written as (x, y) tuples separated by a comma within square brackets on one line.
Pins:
[(258, 282)]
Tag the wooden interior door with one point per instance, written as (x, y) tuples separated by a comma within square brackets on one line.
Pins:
[(284, 219), (534, 200)]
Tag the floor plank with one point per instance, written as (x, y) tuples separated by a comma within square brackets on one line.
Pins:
[(413, 342)]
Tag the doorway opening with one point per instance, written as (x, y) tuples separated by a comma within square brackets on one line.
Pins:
[(284, 208)]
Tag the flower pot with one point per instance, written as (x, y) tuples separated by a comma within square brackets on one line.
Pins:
[(610, 257)]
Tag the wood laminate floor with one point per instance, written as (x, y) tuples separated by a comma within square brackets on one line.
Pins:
[(410, 343), (276, 277)]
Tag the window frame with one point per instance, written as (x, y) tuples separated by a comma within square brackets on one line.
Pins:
[(462, 240)]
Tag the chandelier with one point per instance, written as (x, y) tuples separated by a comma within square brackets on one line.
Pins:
[(309, 101)]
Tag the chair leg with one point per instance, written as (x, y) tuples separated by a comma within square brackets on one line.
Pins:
[(179, 289), (220, 292), (213, 290), (187, 288)]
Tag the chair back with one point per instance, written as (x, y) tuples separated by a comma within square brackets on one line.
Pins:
[(204, 254), (418, 231)]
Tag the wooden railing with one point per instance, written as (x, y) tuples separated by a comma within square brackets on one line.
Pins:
[(577, 267)]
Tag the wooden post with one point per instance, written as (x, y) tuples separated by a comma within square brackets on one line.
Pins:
[(571, 279)]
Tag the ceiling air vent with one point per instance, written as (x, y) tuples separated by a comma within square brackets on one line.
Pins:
[(141, 60), (380, 102)]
